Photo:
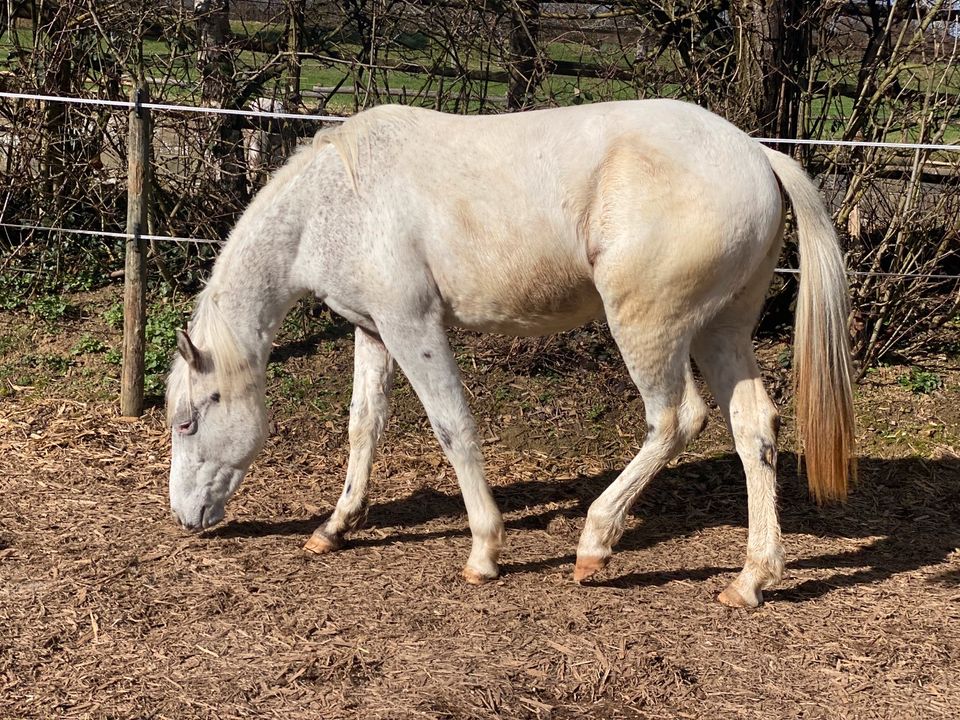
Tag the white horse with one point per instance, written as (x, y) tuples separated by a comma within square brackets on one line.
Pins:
[(656, 215)]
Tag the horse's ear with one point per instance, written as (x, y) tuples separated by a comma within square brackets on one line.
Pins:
[(189, 351)]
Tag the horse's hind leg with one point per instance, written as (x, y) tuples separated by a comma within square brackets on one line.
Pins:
[(657, 356), (369, 408), (724, 354)]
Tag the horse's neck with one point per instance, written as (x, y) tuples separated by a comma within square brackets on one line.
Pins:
[(254, 280), (252, 289)]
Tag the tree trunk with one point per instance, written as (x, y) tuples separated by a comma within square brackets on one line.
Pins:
[(214, 59), (57, 48), (524, 64), (773, 42), (215, 62), (295, 13)]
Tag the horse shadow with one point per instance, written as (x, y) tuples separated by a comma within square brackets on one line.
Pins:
[(908, 508), (309, 344)]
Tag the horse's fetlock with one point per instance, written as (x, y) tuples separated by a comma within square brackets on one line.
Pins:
[(358, 517), (605, 531), (768, 568)]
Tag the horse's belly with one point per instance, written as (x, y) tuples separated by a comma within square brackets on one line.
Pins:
[(537, 302), (513, 259)]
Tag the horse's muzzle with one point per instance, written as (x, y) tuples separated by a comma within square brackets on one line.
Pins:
[(207, 518)]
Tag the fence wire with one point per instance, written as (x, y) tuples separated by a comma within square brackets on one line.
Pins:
[(167, 107)]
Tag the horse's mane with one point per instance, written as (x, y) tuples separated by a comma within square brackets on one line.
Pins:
[(209, 330), (359, 129)]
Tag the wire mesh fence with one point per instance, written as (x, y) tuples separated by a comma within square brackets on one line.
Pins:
[(864, 93)]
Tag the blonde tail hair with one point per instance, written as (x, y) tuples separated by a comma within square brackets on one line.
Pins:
[(823, 385)]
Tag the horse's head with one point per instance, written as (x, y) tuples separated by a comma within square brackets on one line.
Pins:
[(217, 418)]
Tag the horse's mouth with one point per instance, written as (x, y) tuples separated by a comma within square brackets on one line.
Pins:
[(209, 517)]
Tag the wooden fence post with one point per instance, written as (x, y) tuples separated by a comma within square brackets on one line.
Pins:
[(135, 280)]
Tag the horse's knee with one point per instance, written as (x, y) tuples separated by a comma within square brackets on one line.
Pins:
[(663, 430), (360, 429), (367, 419), (693, 420), (677, 427)]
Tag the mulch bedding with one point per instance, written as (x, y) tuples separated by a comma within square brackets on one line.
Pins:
[(108, 609)]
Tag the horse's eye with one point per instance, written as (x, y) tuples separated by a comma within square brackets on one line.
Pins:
[(215, 397)]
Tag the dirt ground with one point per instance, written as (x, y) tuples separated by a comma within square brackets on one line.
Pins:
[(108, 610)]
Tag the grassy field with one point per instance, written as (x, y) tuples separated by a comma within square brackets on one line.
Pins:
[(175, 72)]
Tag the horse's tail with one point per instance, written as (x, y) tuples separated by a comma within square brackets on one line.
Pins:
[(821, 359)]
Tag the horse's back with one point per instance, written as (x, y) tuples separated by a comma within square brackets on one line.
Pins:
[(512, 213)]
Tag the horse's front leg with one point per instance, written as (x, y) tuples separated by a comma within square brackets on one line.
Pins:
[(421, 348), (369, 408)]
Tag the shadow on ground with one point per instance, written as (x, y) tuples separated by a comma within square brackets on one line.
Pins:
[(309, 345), (909, 506)]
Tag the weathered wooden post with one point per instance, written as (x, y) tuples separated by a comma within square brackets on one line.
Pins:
[(135, 280)]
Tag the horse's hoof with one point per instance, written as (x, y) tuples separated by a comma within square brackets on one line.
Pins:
[(320, 543), (475, 577), (731, 597), (587, 566)]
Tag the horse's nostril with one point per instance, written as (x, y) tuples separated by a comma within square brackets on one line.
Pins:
[(203, 513)]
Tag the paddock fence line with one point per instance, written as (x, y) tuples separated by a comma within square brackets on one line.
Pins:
[(271, 115), (132, 368), (168, 107), (111, 234)]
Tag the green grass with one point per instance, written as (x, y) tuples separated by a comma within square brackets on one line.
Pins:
[(164, 318), (49, 308), (179, 64), (24, 38), (920, 382), (88, 345)]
